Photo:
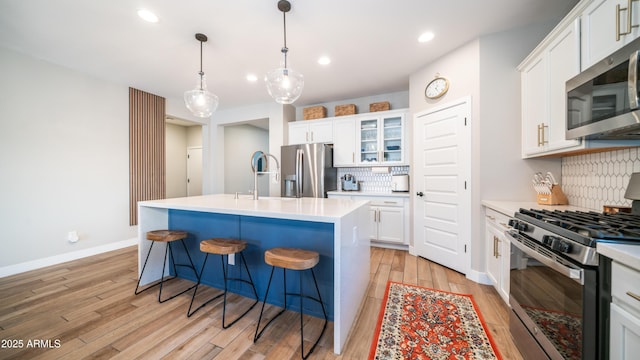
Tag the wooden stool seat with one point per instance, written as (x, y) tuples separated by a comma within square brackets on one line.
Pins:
[(289, 258), (166, 235), (222, 246)]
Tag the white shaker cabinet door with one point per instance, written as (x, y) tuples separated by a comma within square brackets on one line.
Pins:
[(599, 34), (344, 142)]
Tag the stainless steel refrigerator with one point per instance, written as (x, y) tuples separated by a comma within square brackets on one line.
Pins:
[(307, 170)]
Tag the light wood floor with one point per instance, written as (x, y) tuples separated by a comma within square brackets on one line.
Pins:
[(87, 309)]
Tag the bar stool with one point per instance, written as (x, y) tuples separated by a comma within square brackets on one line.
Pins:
[(292, 259), (168, 237), (224, 247)]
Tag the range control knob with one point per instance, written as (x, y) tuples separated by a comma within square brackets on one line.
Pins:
[(556, 243), (562, 246), (549, 240), (522, 227)]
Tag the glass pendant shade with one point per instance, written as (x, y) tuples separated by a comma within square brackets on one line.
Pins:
[(284, 85), (199, 101)]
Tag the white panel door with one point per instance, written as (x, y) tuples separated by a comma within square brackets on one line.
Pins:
[(194, 171), (443, 197)]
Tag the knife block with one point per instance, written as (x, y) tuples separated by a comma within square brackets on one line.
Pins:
[(557, 197)]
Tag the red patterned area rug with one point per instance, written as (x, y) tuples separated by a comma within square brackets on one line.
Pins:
[(563, 329), (420, 323)]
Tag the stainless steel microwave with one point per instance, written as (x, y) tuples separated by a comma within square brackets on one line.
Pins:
[(602, 101)]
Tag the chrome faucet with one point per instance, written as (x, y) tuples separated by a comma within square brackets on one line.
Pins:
[(254, 166)]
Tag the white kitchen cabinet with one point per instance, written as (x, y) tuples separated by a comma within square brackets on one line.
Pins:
[(311, 131), (625, 312), (388, 215), (344, 142), (380, 137), (498, 250), (543, 75), (605, 28), (387, 218)]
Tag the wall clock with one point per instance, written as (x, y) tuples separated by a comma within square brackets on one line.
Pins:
[(437, 87)]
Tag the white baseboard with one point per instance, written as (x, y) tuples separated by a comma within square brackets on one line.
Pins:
[(479, 277), (59, 259)]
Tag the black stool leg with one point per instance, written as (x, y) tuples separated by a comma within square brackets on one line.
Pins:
[(189, 312), (142, 272), (169, 252), (259, 332), (250, 282), (319, 299), (224, 293)]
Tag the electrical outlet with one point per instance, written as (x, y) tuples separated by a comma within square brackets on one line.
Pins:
[(72, 236), (232, 259)]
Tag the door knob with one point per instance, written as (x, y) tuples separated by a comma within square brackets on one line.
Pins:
[(420, 194)]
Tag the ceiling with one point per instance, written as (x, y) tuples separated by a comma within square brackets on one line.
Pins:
[(372, 43)]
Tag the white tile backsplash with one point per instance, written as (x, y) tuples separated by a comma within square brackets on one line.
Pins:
[(594, 180), (370, 181)]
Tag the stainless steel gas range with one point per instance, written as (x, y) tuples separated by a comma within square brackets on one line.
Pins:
[(559, 286)]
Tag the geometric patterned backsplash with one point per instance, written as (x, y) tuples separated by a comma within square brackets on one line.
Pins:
[(370, 181), (594, 180)]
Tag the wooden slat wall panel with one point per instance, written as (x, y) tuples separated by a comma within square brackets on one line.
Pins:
[(146, 149)]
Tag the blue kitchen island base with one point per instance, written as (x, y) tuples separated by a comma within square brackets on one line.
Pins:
[(261, 234)]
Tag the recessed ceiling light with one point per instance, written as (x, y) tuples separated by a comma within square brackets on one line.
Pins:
[(428, 36), (252, 77), (148, 16), (324, 60)]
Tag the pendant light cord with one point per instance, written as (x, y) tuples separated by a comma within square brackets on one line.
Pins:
[(201, 72), (285, 49)]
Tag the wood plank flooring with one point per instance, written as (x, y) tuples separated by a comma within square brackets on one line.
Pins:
[(87, 309)]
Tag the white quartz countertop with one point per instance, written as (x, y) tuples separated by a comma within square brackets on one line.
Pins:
[(370, 193), (509, 208), (305, 209), (627, 254)]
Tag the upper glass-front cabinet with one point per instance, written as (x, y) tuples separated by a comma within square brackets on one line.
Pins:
[(369, 141), (381, 139)]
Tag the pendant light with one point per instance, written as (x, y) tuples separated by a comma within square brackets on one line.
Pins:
[(284, 84), (199, 101)]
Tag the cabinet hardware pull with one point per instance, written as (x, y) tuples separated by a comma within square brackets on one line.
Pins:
[(495, 247), (307, 135), (375, 215), (635, 296), (629, 11), (312, 136), (390, 202), (379, 216), (490, 217)]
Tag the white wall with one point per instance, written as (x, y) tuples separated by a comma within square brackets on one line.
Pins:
[(64, 160), (213, 169), (241, 141)]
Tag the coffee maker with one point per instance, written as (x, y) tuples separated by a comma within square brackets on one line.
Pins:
[(349, 183)]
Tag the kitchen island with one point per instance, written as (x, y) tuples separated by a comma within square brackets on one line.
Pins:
[(335, 228)]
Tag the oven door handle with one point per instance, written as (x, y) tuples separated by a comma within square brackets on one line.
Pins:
[(576, 274)]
